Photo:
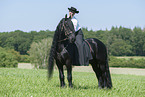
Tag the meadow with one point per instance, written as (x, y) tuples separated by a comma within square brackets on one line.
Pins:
[(16, 82)]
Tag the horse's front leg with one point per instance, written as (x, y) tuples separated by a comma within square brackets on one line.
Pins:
[(61, 73), (69, 75), (68, 63), (61, 77)]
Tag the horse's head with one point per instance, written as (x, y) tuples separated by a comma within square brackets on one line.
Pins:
[(68, 29)]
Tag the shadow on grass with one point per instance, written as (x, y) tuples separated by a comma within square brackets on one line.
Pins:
[(77, 87), (85, 87)]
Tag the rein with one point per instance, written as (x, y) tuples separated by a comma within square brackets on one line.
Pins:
[(63, 39)]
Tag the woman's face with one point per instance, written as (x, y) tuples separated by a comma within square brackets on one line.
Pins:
[(71, 14)]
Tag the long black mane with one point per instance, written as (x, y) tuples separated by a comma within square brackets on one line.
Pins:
[(53, 48)]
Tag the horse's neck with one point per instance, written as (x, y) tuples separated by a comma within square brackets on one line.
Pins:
[(61, 46)]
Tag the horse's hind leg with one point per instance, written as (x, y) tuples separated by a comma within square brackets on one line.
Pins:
[(61, 74), (102, 72), (108, 77), (98, 73), (104, 67)]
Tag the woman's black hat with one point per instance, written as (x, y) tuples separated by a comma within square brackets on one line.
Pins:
[(72, 9)]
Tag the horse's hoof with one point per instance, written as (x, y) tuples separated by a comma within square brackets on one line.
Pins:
[(71, 86), (62, 86)]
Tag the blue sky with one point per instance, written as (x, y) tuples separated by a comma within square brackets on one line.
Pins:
[(36, 15)]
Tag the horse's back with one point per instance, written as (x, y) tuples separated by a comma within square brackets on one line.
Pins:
[(98, 48)]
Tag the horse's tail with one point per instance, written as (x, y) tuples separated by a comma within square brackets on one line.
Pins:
[(51, 61), (52, 55)]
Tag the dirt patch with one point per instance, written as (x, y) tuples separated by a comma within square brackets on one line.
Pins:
[(131, 71), (25, 66)]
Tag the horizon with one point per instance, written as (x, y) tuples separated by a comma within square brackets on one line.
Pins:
[(81, 27)]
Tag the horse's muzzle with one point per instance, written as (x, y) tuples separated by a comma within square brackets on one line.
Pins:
[(72, 38)]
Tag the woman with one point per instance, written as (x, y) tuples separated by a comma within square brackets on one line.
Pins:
[(84, 54)]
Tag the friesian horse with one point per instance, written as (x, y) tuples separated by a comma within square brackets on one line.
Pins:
[(62, 51)]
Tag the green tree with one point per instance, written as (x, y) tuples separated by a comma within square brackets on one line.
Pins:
[(120, 48), (20, 41), (39, 52), (138, 41)]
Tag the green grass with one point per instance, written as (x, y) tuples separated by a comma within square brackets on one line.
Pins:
[(34, 83)]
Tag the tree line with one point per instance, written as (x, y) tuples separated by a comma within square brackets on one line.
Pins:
[(21, 41), (120, 41)]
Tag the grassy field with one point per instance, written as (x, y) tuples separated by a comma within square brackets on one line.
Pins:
[(34, 83)]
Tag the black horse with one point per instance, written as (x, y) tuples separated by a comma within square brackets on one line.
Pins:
[(62, 52)]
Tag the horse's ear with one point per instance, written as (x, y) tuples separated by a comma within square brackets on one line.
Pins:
[(65, 16)]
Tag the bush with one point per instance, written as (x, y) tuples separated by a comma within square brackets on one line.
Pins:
[(24, 59), (7, 59), (116, 62), (10, 58)]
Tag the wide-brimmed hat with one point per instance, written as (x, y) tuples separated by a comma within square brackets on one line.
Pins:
[(72, 9)]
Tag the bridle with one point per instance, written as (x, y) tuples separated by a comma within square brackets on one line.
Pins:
[(67, 33)]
